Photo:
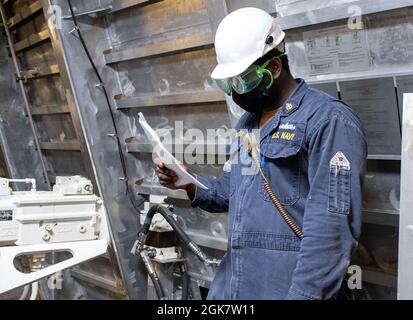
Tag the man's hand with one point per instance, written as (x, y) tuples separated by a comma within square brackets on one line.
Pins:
[(168, 179)]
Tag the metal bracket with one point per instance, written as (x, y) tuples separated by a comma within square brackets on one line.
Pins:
[(96, 13), (99, 86), (73, 32), (21, 78)]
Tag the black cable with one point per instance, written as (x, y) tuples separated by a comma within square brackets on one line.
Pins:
[(140, 250), (167, 214), (102, 85), (158, 287), (185, 281)]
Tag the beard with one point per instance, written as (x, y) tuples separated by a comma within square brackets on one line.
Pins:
[(258, 99)]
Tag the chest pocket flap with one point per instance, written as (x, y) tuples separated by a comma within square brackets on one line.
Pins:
[(281, 152), (285, 141)]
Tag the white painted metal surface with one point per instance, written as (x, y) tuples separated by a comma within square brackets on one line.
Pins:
[(33, 223)]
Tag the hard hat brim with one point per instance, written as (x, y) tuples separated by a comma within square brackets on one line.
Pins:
[(229, 70)]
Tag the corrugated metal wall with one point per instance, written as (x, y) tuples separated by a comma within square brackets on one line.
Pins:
[(59, 140), (51, 108)]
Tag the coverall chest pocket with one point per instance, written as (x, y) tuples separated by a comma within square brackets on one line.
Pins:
[(281, 164)]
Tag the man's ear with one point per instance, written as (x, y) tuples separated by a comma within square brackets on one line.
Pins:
[(275, 67)]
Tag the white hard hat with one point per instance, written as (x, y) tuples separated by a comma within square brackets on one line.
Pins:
[(241, 39)]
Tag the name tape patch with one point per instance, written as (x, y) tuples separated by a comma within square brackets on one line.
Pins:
[(284, 135)]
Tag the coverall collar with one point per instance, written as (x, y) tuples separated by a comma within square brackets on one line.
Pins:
[(290, 106)]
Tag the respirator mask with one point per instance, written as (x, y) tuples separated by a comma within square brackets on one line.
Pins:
[(248, 90)]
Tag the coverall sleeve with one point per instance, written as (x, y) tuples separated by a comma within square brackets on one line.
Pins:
[(216, 198), (332, 218)]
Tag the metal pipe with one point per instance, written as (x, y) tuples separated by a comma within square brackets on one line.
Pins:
[(35, 290), (25, 292), (23, 90)]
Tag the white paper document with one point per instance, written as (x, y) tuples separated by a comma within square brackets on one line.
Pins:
[(336, 50), (166, 157)]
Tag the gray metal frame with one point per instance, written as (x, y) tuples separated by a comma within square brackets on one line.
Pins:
[(405, 273)]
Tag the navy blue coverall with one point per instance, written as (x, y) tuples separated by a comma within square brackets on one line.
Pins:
[(313, 153)]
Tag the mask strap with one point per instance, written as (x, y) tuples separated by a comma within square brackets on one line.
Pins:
[(263, 70), (268, 72)]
